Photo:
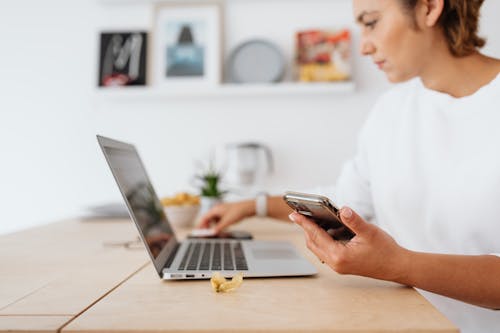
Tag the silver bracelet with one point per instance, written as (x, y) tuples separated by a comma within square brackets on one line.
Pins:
[(261, 204)]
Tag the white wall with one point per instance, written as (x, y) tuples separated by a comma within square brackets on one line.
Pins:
[(49, 110)]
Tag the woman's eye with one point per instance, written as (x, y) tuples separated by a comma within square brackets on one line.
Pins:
[(371, 24)]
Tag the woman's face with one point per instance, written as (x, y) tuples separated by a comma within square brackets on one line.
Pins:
[(391, 37)]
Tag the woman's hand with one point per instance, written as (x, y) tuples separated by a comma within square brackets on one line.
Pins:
[(372, 252), (225, 214)]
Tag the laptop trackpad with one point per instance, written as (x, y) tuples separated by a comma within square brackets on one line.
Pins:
[(274, 253)]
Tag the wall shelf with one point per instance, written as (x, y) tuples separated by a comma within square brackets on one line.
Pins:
[(236, 31), (227, 90), (131, 2)]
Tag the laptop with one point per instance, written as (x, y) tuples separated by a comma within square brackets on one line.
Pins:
[(192, 258)]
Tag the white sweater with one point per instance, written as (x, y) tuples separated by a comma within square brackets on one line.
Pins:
[(427, 171)]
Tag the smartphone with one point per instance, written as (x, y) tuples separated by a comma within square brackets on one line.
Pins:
[(322, 211)]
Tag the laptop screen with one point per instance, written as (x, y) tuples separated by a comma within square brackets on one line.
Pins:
[(141, 199)]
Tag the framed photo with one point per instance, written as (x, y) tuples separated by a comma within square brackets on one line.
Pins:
[(122, 58), (187, 44), (323, 55)]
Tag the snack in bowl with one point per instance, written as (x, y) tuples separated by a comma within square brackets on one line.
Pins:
[(181, 198), (181, 209)]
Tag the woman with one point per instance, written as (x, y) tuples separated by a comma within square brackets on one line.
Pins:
[(427, 170)]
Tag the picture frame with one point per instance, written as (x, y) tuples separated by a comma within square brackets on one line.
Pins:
[(323, 55), (187, 44), (122, 58)]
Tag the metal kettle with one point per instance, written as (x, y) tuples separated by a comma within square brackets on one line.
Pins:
[(247, 165)]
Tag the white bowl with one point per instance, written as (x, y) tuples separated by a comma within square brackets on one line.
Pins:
[(182, 216)]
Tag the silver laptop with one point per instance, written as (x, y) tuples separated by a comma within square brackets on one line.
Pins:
[(192, 258)]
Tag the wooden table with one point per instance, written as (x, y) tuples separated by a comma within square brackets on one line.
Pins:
[(61, 277), (51, 274)]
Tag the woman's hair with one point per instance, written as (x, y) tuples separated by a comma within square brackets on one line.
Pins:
[(460, 23)]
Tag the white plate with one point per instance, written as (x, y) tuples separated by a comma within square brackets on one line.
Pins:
[(256, 61)]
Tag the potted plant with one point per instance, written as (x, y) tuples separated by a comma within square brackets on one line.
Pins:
[(208, 182)]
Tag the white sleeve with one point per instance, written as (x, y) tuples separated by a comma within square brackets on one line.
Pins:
[(353, 185)]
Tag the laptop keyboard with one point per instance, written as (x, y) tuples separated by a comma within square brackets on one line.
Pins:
[(214, 256)]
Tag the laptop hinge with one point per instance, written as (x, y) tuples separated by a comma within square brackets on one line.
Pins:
[(171, 257)]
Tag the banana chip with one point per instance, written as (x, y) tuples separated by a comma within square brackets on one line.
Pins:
[(220, 284), (216, 280)]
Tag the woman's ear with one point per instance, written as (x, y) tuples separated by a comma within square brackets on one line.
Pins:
[(433, 11)]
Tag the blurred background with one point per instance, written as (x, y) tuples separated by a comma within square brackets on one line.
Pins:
[(51, 107)]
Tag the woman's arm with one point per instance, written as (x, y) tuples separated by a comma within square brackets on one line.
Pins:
[(277, 208), (472, 279), (225, 214), (373, 253)]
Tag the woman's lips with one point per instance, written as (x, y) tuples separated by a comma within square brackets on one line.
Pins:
[(380, 64)]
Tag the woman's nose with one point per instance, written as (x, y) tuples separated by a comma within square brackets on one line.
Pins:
[(366, 47)]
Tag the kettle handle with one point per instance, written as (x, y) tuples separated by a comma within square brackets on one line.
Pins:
[(270, 159), (269, 155), (267, 151)]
